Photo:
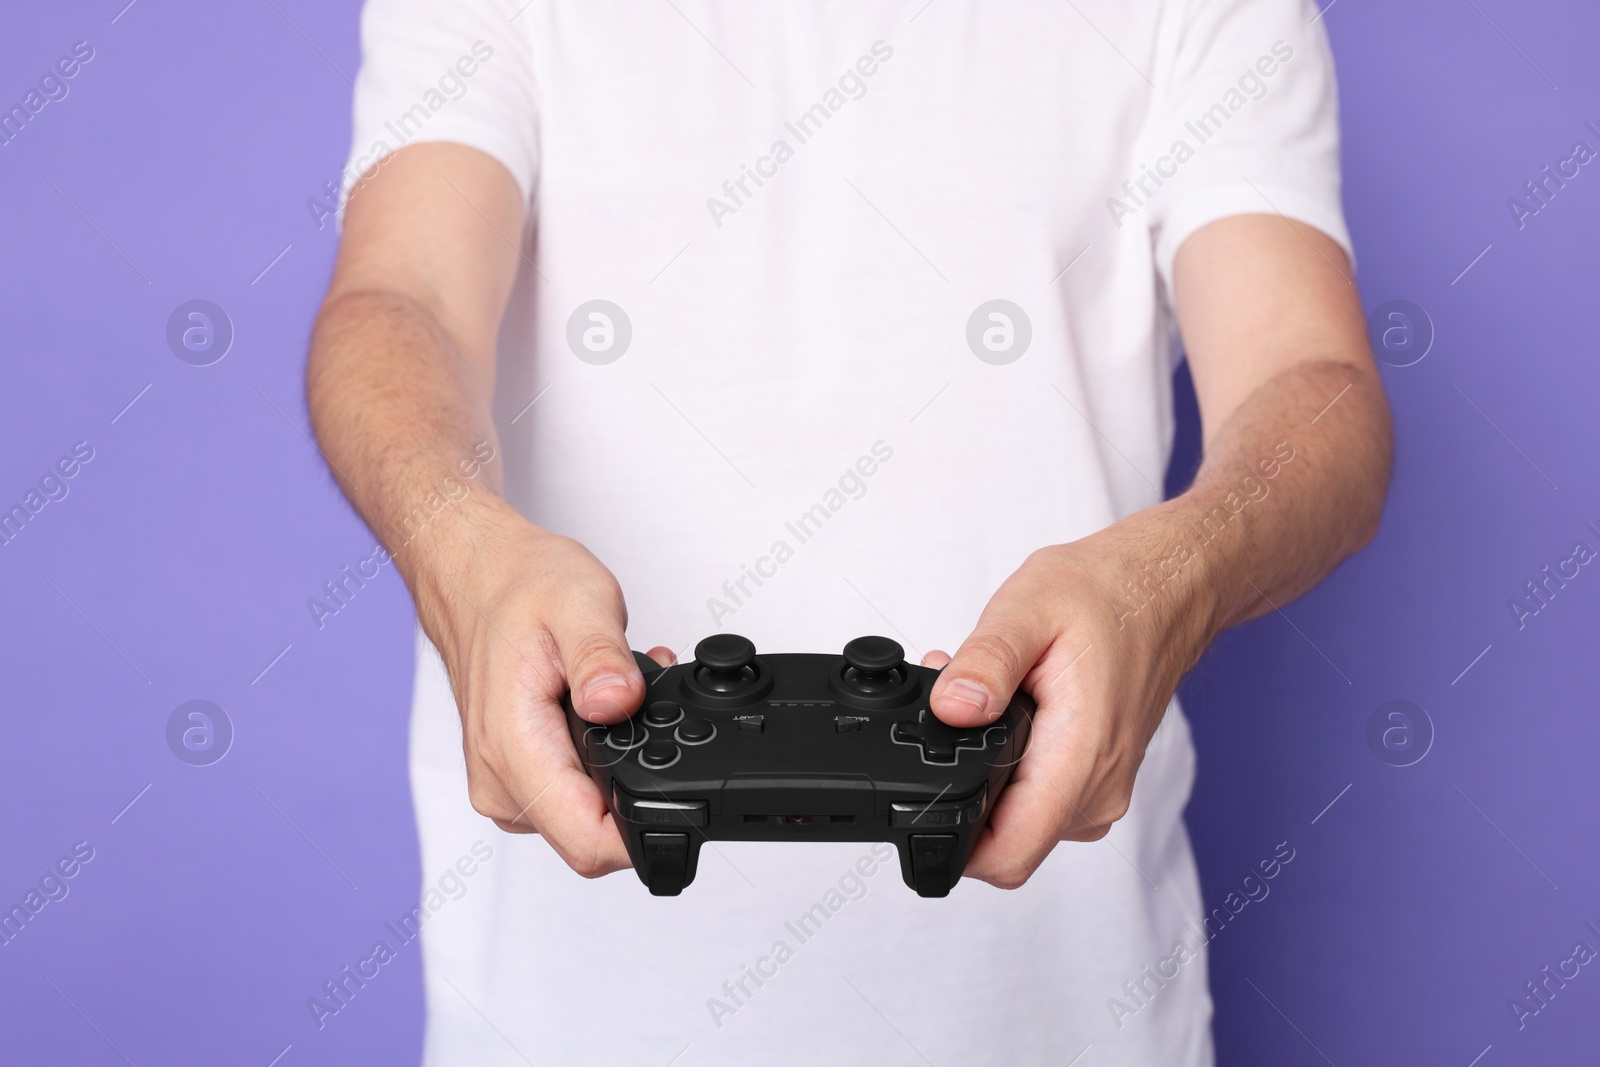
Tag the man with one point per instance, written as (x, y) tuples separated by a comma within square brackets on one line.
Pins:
[(808, 321)]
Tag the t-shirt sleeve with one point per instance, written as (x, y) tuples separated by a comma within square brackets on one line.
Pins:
[(445, 70), (1246, 121)]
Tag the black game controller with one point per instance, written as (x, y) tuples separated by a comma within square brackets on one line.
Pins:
[(740, 747)]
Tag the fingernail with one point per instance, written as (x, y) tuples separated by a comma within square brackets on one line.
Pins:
[(599, 685), (969, 693)]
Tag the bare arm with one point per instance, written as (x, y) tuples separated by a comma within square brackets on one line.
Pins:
[(403, 357), (400, 383), (1278, 349), (1100, 631)]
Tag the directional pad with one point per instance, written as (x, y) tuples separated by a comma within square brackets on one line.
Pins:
[(939, 742)]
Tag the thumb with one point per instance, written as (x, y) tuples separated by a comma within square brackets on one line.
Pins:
[(602, 675), (977, 685)]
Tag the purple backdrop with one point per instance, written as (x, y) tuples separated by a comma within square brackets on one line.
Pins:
[(1443, 857)]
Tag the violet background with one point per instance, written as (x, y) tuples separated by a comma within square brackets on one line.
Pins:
[(190, 145)]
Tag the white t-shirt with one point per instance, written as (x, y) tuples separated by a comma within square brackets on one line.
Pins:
[(809, 422)]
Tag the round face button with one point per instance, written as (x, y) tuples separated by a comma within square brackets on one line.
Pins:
[(628, 734), (663, 713), (659, 754), (696, 731)]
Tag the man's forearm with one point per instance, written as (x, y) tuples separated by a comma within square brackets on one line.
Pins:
[(403, 418), (1291, 484), (400, 387)]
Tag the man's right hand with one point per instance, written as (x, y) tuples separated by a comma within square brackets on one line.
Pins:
[(532, 616), (400, 384)]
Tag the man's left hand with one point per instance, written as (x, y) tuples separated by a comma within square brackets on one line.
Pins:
[(1064, 630)]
